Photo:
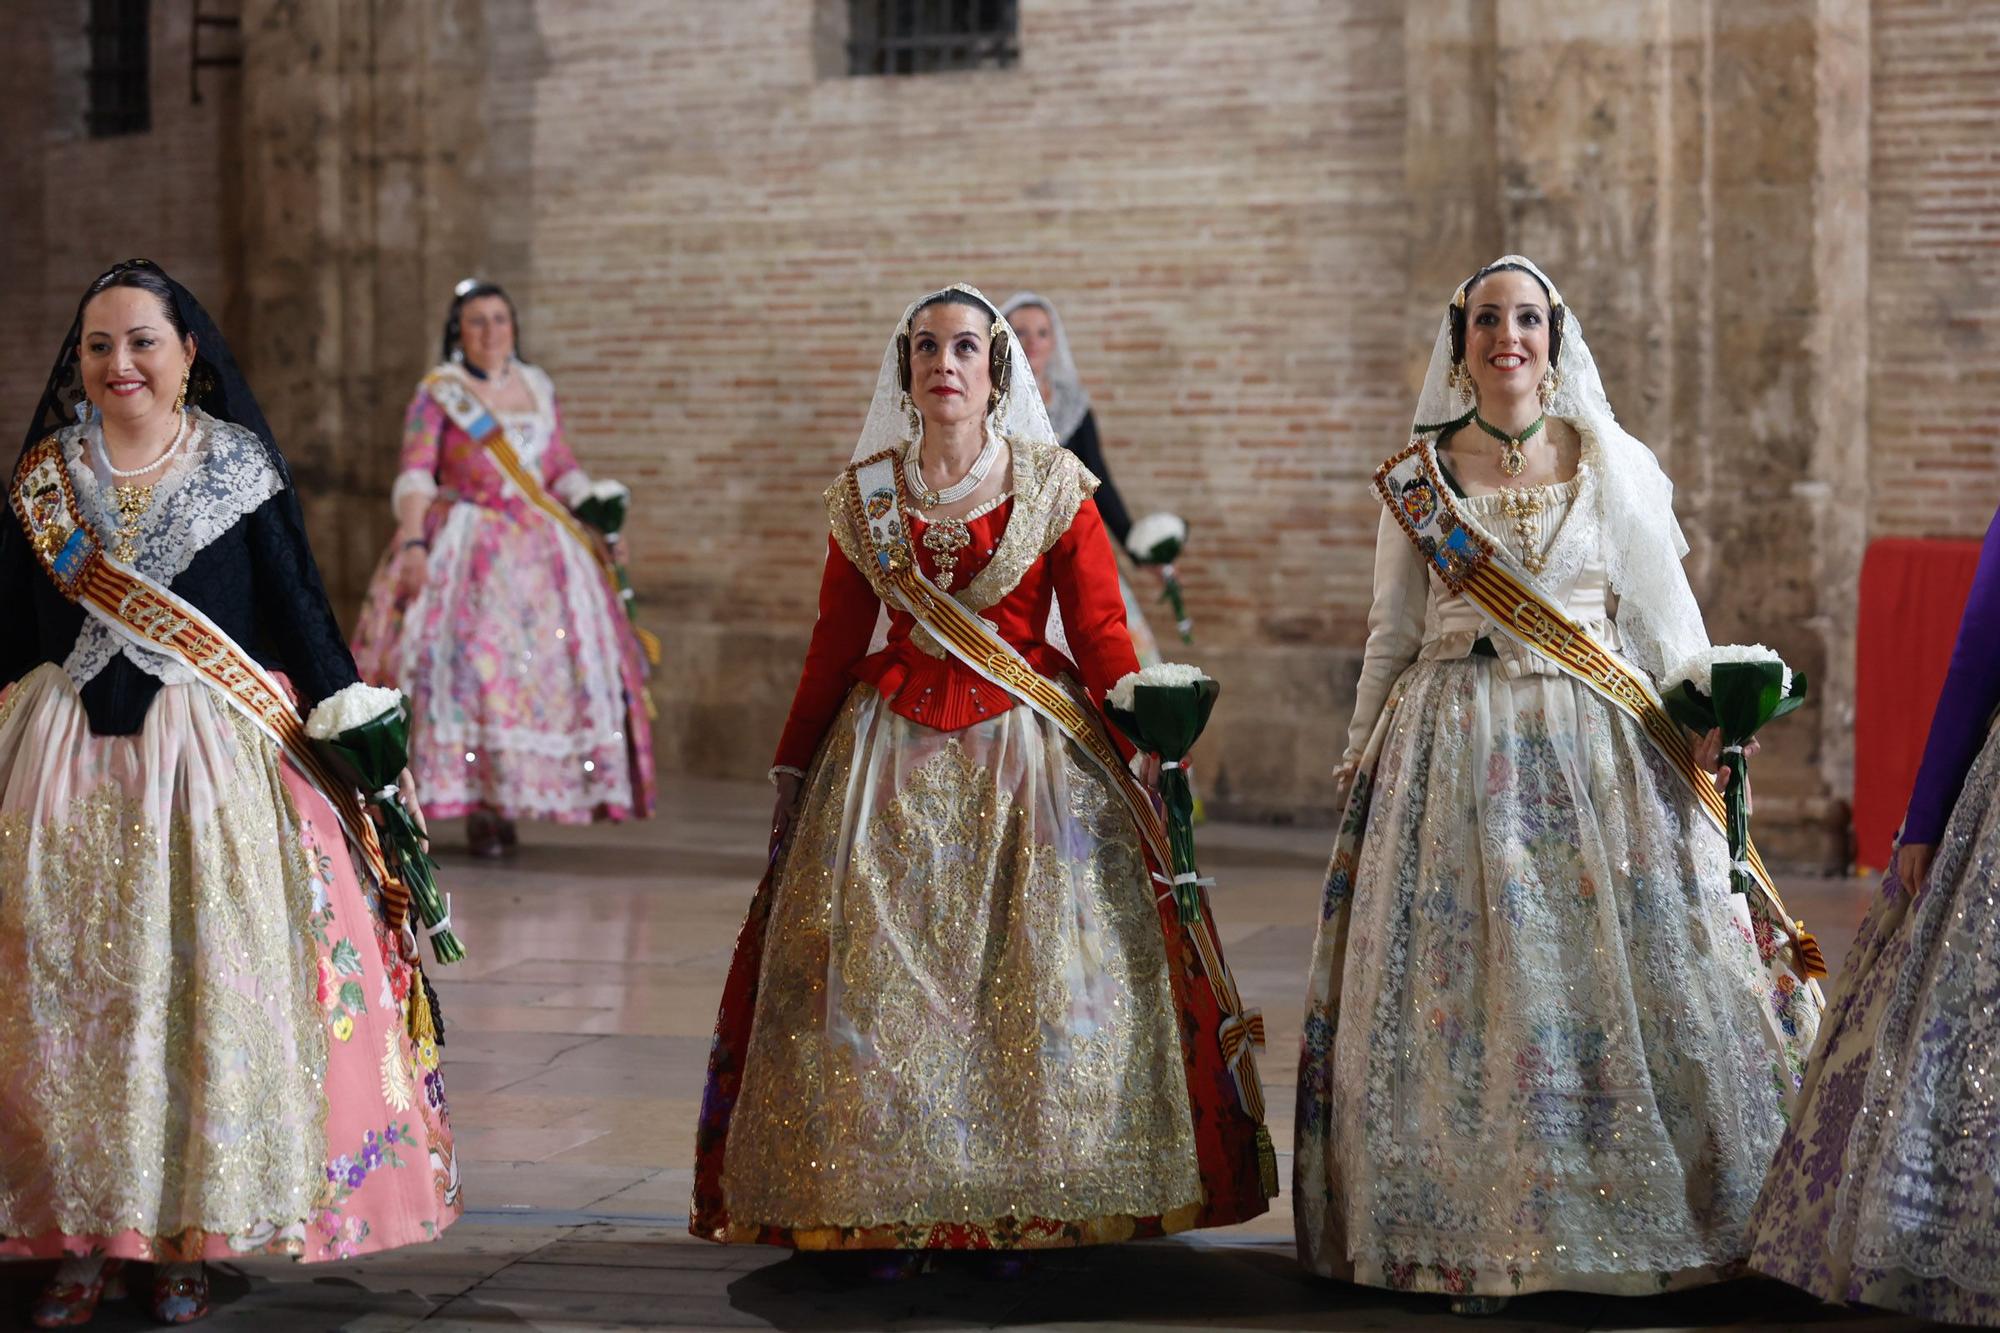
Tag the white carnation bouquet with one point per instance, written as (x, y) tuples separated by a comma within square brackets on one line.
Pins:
[(1734, 689), (604, 507), (1158, 540), (1163, 709), (365, 731)]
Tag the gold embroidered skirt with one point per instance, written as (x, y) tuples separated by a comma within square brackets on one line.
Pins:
[(965, 1018), (161, 1052)]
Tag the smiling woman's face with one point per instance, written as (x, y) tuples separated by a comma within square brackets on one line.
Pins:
[(950, 378), (1506, 335), (130, 357)]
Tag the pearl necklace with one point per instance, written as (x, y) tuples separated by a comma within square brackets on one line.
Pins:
[(913, 474), (180, 434)]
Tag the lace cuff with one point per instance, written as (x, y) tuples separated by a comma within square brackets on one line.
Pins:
[(413, 482), (776, 769), (572, 487)]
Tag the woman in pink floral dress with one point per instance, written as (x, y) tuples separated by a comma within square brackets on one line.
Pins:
[(525, 676)]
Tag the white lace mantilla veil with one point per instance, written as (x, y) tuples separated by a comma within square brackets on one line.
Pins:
[(1068, 400), (1659, 622), (1019, 416)]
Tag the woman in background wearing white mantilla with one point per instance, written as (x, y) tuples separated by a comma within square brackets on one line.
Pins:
[(1046, 342)]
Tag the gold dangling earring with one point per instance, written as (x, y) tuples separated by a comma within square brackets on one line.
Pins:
[(1550, 386), (180, 399), (915, 418), (1459, 381)]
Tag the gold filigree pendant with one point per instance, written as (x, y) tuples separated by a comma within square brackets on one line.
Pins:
[(945, 538), (132, 502)]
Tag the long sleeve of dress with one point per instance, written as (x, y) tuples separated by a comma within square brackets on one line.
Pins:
[(20, 649), (1085, 576), (567, 481), (847, 611), (1971, 691), (1084, 444), (1395, 629), (417, 461), (293, 614)]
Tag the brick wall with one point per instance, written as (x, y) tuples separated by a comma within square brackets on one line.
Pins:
[(1934, 275), (1247, 214), (72, 205), (721, 240)]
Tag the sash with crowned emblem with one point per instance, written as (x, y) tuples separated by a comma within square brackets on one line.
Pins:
[(874, 499), (142, 612), (451, 393), (1473, 567)]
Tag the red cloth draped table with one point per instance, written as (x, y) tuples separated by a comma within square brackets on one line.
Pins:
[(1912, 594)]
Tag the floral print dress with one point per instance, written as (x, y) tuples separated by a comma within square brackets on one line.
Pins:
[(1541, 1049), (526, 681), (1887, 1189)]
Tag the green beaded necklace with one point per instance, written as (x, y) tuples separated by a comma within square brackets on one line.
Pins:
[(1512, 461)]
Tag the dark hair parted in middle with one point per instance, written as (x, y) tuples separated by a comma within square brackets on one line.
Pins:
[(146, 276), (999, 365), (1506, 266), (471, 290)]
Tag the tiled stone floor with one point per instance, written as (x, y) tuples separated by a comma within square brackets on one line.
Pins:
[(580, 1027)]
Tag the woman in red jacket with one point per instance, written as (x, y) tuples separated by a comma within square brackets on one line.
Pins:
[(956, 1014)]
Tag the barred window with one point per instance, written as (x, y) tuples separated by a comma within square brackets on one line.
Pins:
[(925, 36), (119, 73)]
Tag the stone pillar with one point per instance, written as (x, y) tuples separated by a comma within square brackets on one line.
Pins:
[(1784, 465), (1452, 162), (28, 336), (361, 209), (1694, 177)]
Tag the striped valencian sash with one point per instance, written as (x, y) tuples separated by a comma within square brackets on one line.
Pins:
[(450, 392), (1472, 567), (142, 612), (873, 498)]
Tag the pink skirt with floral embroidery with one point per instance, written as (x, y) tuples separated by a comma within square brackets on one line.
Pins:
[(203, 1044), (526, 681)]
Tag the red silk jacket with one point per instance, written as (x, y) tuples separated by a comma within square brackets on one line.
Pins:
[(1043, 543)]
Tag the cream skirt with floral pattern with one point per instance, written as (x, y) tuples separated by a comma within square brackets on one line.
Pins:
[(1541, 1049)]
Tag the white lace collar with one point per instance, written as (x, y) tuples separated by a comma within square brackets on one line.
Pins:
[(223, 476)]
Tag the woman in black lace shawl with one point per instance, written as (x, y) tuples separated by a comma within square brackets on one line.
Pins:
[(203, 1044)]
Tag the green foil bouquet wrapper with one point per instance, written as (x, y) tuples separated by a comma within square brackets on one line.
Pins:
[(604, 509), (1735, 689), (364, 730), (1158, 540), (1163, 709)]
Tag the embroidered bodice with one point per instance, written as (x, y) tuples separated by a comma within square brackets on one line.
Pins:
[(530, 432), (1009, 561), (1551, 533), (439, 459), (1524, 519), (224, 532)]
